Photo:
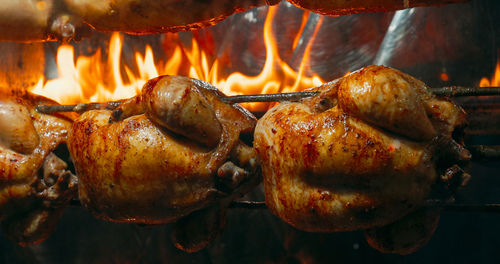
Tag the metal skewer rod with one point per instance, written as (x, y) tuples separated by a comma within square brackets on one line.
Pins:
[(457, 91), (452, 91), (486, 208), (79, 108), (455, 207), (484, 152), (483, 208), (267, 98)]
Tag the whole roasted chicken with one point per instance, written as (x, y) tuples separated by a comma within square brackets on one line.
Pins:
[(35, 185), (173, 152), (362, 154)]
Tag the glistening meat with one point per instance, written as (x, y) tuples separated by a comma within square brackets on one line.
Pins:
[(35, 185), (28, 20), (363, 153), (173, 152)]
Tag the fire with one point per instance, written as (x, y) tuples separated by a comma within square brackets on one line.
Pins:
[(91, 79), (495, 79)]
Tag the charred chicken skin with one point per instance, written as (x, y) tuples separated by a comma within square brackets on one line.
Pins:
[(361, 154), (42, 20), (150, 16), (35, 185), (163, 155), (348, 7)]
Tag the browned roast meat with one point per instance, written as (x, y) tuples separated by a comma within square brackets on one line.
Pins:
[(163, 155), (41, 20), (35, 185), (361, 154), (348, 7)]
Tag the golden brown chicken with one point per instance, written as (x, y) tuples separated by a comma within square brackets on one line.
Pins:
[(348, 7), (150, 16), (35, 185), (39, 20), (171, 152), (363, 153), (42, 20)]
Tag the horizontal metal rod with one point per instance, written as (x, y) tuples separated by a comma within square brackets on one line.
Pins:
[(487, 208), (79, 108), (484, 152), (267, 98), (479, 208), (457, 91), (451, 91), (248, 205), (455, 207)]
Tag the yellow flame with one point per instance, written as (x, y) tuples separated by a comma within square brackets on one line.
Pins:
[(495, 79), (90, 79)]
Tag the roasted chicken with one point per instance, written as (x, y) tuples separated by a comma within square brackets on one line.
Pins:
[(172, 152), (348, 7), (363, 153), (35, 185), (150, 16), (42, 20), (39, 20)]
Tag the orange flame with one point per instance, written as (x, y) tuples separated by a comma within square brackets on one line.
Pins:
[(90, 79), (495, 79)]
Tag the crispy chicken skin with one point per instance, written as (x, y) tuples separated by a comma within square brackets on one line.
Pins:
[(151, 16), (363, 153), (163, 154), (38, 20), (348, 7), (171, 153), (42, 20), (35, 186)]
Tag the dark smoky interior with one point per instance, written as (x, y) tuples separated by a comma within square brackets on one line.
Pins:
[(452, 45)]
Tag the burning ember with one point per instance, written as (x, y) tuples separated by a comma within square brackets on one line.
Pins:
[(92, 79)]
